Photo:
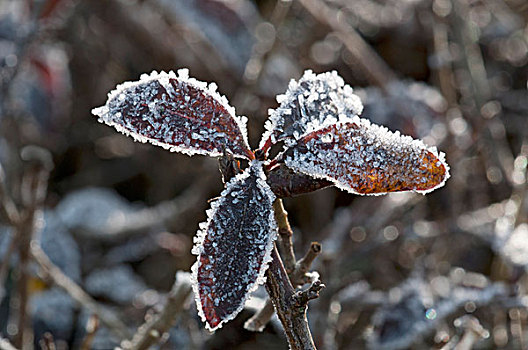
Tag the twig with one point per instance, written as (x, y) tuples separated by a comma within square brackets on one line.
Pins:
[(303, 266), (153, 330), (109, 318), (302, 297), (91, 328), (24, 233), (33, 191), (259, 320), (6, 345), (144, 219), (377, 71), (4, 264), (291, 314), (47, 342), (7, 207), (285, 235), (473, 332), (265, 45)]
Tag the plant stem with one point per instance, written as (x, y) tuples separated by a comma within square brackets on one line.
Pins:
[(292, 314), (298, 277), (285, 235)]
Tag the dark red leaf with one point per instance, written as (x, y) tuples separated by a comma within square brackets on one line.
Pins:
[(178, 113), (284, 182), (364, 158), (233, 247)]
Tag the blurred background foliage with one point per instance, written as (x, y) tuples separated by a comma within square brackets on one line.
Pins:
[(402, 271)]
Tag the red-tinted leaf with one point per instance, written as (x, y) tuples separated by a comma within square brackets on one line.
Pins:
[(309, 104), (178, 113), (233, 247), (284, 182), (364, 158)]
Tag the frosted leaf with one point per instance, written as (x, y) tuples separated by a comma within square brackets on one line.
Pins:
[(309, 104), (364, 158), (178, 113), (234, 247)]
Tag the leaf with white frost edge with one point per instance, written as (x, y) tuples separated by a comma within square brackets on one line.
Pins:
[(177, 113), (364, 158), (234, 247), (316, 100)]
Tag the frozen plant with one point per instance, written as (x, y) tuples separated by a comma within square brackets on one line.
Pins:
[(323, 138)]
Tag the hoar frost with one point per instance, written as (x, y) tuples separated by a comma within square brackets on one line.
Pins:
[(234, 247), (364, 158), (178, 113), (323, 138), (309, 104)]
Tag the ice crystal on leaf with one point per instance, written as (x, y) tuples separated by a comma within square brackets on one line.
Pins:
[(309, 104), (325, 143), (364, 158), (178, 113), (234, 247)]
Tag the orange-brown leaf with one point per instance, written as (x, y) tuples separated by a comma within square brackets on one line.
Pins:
[(364, 158)]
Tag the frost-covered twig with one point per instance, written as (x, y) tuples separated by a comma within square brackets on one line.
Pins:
[(153, 330), (292, 317), (51, 271)]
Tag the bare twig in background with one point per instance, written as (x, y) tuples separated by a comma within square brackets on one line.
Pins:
[(4, 263), (6, 345), (108, 317), (154, 329), (473, 332), (144, 219), (47, 342), (369, 62), (92, 325), (260, 319), (265, 42), (7, 207), (33, 193)]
